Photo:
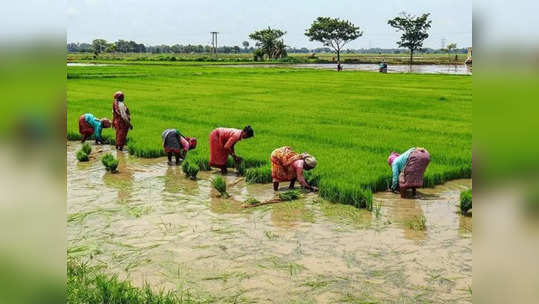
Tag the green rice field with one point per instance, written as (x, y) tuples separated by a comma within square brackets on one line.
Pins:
[(349, 121)]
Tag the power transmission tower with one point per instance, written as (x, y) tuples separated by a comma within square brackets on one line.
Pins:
[(214, 42), (443, 43)]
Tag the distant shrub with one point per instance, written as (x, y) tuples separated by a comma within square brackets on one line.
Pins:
[(465, 201), (220, 185), (110, 162), (82, 156), (86, 148), (289, 195), (190, 169)]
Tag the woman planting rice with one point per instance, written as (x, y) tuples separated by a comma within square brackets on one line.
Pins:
[(89, 124), (121, 119), (287, 165), (222, 141), (408, 169), (175, 143)]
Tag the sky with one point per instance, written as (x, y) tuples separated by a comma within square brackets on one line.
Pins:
[(190, 22)]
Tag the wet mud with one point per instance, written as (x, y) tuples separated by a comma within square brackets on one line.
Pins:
[(149, 223)]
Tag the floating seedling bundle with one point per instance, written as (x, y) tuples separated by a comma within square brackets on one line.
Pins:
[(110, 162)]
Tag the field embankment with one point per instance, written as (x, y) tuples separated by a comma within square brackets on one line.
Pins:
[(350, 121)]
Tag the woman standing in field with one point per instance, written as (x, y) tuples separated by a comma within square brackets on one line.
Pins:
[(287, 165), (222, 141), (89, 124), (121, 119), (408, 169), (175, 143)]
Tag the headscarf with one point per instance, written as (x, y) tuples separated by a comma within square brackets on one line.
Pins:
[(392, 157), (119, 96), (309, 160), (192, 142)]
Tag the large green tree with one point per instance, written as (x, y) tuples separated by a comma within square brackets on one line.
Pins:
[(333, 32), (414, 31), (99, 45), (270, 43)]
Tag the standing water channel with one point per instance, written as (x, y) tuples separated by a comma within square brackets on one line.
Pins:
[(148, 223)]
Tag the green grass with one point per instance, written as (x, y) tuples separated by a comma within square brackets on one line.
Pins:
[(82, 156), (87, 284), (465, 201), (349, 121), (110, 162)]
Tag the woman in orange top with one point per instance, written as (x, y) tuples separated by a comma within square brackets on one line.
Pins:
[(287, 165), (121, 119), (222, 141)]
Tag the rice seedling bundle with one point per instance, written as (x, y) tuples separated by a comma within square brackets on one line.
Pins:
[(465, 201), (86, 148), (110, 162), (219, 184), (82, 156), (190, 169), (289, 195)]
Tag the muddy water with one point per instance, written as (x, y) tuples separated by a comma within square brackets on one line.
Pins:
[(148, 223), (457, 69)]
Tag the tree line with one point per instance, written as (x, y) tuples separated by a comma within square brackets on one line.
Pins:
[(333, 33)]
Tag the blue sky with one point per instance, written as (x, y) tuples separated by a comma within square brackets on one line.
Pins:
[(183, 22)]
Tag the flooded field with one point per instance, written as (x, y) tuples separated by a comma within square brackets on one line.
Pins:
[(148, 223), (457, 69)]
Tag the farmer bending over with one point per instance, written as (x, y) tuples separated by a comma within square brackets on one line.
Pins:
[(222, 141), (175, 143), (408, 169), (89, 124), (287, 165)]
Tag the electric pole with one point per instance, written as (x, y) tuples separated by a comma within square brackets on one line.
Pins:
[(214, 42)]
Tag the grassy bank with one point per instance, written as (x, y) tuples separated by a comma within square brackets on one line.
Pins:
[(350, 121), (245, 58), (87, 284)]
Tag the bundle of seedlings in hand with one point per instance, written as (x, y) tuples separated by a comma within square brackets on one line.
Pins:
[(190, 169), (86, 148), (110, 162), (220, 185), (289, 195), (465, 201), (82, 156)]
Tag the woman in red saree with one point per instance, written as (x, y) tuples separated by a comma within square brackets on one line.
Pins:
[(288, 166), (222, 141), (121, 119)]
